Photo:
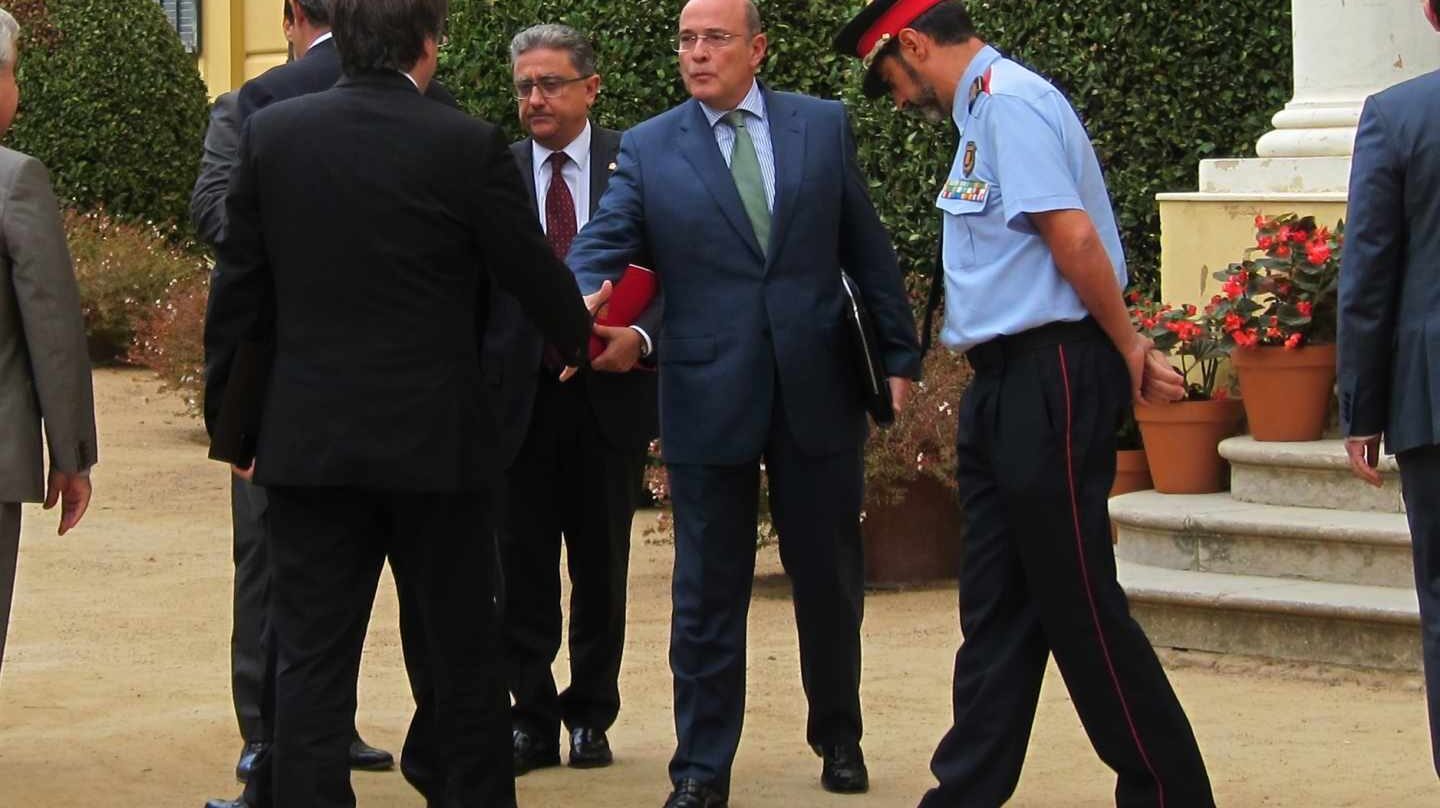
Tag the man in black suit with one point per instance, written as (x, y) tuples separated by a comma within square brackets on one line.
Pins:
[(377, 438), (576, 448), (316, 67)]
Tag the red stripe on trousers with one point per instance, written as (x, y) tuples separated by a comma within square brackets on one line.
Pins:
[(1085, 577)]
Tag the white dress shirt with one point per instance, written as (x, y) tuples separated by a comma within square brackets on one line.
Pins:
[(576, 174)]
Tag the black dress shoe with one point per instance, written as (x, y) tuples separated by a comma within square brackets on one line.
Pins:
[(694, 794), (249, 757), (237, 803), (589, 749), (531, 753), (366, 758), (844, 769)]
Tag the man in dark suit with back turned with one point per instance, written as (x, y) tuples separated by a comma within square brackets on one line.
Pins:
[(749, 202), (576, 449), (377, 439), (316, 67), (1389, 342)]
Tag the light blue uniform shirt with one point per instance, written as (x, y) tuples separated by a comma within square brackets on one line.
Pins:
[(1022, 150), (757, 122)]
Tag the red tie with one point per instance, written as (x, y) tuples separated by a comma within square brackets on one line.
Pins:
[(559, 208), (559, 231)]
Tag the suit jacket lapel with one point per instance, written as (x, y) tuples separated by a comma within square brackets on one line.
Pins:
[(787, 136), (604, 148), (697, 144), (525, 159)]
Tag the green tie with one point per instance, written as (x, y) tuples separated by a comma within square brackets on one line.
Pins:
[(745, 168)]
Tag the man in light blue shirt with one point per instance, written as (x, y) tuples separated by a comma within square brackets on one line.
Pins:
[(1033, 272)]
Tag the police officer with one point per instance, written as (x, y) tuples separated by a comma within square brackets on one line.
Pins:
[(1033, 273)]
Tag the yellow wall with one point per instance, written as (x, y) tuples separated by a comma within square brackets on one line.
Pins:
[(240, 39), (1201, 234)]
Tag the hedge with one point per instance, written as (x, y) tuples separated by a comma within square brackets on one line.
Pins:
[(1160, 86), (112, 104)]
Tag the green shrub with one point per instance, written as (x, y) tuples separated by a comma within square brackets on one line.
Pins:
[(1155, 89), (124, 270), (112, 105)]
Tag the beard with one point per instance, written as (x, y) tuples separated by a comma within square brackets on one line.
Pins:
[(926, 106)]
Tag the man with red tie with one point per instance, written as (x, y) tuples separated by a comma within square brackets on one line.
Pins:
[(575, 450)]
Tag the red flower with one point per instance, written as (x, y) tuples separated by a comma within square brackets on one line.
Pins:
[(1265, 242), (1261, 222), (1318, 252), (1232, 322), (1305, 307), (1294, 341), (1322, 234), (1220, 395), (1282, 251), (1299, 236), (1273, 333), (1284, 234), (1234, 288)]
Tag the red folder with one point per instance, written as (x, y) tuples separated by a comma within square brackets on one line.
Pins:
[(628, 300)]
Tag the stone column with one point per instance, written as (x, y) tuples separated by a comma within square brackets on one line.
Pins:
[(1346, 50)]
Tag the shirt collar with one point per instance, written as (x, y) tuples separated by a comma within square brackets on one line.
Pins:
[(754, 104), (578, 151), (983, 61), (328, 35), (412, 79)]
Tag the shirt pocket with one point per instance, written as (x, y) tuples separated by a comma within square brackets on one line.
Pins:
[(961, 219)]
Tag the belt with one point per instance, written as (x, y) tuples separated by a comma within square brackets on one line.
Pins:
[(990, 357)]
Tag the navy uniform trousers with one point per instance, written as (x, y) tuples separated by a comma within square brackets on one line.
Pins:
[(1036, 462), (815, 505), (1420, 477)]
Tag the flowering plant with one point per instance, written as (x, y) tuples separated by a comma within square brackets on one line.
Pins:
[(1192, 335), (1287, 295)]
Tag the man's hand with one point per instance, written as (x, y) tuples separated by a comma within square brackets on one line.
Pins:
[(1163, 383), (1364, 456), (247, 473), (600, 298), (622, 349), (594, 303), (72, 492), (899, 393)]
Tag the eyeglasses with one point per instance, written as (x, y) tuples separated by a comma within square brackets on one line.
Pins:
[(550, 86), (685, 43)]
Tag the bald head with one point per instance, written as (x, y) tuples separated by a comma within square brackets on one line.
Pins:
[(747, 8)]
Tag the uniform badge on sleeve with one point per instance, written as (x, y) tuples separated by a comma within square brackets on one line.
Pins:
[(969, 164)]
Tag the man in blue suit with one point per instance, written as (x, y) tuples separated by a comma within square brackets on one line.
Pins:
[(1389, 345), (748, 202)]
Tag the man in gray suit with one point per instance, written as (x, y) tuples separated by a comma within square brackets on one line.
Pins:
[(44, 367), (1389, 343)]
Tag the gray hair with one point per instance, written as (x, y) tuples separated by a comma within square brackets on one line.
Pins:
[(752, 18), (557, 37), (9, 38)]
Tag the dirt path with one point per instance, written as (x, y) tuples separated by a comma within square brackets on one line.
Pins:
[(116, 687)]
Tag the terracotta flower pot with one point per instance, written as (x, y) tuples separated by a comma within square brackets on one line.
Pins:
[(1132, 472), (1182, 443), (915, 540), (1287, 392)]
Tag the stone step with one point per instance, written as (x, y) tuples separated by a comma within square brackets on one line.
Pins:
[(1338, 624), (1214, 533), (1307, 475)]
